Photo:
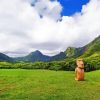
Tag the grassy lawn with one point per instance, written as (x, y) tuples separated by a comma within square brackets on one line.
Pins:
[(20, 84)]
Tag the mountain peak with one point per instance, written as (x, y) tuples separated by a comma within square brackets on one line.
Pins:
[(37, 52)]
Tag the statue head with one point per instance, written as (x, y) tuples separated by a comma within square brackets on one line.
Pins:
[(80, 63)]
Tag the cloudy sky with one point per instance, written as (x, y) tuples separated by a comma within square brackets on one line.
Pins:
[(47, 25)]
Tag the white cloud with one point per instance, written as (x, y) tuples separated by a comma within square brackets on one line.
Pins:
[(48, 8), (22, 30)]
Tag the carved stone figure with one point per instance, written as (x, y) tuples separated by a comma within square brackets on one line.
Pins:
[(79, 71)]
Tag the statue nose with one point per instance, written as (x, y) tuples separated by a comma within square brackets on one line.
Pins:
[(82, 64)]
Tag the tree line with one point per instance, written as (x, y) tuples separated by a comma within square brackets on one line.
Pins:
[(66, 65)]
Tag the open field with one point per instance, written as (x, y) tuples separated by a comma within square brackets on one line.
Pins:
[(20, 84)]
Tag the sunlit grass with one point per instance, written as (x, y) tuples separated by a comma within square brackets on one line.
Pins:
[(19, 84)]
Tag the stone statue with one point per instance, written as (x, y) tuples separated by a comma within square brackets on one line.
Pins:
[(79, 71)]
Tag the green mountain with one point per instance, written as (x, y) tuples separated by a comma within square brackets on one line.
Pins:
[(74, 52), (90, 50), (85, 51), (71, 52), (58, 57), (4, 57), (62, 61), (38, 56), (90, 53), (33, 57)]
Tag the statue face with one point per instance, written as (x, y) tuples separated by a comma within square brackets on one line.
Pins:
[(80, 63)]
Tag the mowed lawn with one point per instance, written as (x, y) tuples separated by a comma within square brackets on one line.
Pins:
[(21, 84)]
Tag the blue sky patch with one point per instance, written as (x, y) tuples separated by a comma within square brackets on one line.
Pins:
[(72, 6)]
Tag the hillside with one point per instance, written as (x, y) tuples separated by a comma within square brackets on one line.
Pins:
[(71, 52), (4, 57), (85, 51), (33, 57), (38, 56), (91, 48)]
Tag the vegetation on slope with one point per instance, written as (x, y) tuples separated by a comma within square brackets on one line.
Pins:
[(90, 53), (4, 57), (85, 51), (93, 47)]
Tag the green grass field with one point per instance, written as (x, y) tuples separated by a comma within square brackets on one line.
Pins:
[(20, 84)]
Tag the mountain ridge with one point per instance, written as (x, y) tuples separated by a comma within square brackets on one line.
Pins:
[(84, 51), (70, 52)]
